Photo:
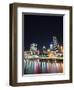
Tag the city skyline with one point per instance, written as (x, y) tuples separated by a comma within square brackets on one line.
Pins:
[(53, 46), (41, 29)]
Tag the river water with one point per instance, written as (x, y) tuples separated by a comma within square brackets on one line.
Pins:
[(43, 66)]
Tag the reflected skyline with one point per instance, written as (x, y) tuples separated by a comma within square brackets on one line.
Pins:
[(43, 44)]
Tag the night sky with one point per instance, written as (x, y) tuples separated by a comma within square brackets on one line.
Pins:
[(40, 29)]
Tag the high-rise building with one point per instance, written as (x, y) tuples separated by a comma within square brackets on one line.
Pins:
[(33, 47), (44, 49), (55, 43), (51, 46)]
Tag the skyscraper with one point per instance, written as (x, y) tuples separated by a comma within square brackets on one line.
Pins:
[(33, 47), (51, 46), (55, 43)]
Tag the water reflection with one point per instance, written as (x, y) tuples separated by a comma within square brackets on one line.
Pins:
[(43, 66)]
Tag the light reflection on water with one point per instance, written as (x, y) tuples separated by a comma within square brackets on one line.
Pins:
[(42, 66)]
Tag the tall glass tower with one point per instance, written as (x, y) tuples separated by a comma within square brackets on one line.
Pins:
[(55, 43)]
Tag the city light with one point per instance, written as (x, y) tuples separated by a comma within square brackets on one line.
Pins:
[(54, 50), (45, 60)]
